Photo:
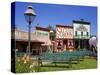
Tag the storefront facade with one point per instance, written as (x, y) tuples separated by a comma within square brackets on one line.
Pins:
[(81, 34), (64, 38), (20, 42), (43, 35)]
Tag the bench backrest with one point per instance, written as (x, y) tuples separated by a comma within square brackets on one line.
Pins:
[(64, 55)]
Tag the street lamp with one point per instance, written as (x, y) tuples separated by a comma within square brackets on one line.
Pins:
[(29, 16)]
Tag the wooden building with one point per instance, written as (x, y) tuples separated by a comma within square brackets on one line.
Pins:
[(20, 42), (81, 34), (43, 35), (64, 38)]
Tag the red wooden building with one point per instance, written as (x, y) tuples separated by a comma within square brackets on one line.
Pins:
[(64, 38)]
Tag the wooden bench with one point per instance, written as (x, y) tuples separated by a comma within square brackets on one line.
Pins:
[(55, 58), (20, 54), (67, 57)]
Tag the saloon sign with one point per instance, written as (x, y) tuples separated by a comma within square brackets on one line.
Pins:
[(83, 30), (65, 32)]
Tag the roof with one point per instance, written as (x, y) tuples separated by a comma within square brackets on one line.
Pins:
[(42, 28), (45, 40), (33, 41), (23, 36), (81, 22), (66, 26), (19, 35)]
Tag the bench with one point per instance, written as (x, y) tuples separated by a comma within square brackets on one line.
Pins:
[(55, 58), (20, 54), (67, 57)]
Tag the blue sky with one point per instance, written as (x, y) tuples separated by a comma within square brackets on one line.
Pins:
[(51, 14)]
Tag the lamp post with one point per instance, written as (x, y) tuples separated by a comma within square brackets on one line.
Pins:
[(29, 16)]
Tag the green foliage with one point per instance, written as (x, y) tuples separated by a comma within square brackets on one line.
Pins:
[(21, 67), (87, 63)]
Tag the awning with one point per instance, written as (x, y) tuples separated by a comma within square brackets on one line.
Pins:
[(46, 40), (23, 36)]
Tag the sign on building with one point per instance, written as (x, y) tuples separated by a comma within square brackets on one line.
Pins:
[(64, 32), (64, 37), (81, 29)]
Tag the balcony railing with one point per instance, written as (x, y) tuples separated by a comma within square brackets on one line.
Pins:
[(82, 37)]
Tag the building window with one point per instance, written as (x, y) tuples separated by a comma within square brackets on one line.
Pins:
[(87, 34), (42, 34), (75, 33), (81, 33)]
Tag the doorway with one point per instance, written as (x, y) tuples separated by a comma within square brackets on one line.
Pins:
[(65, 44)]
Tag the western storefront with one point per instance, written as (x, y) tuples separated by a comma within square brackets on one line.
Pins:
[(43, 35), (20, 42), (64, 38), (81, 34)]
